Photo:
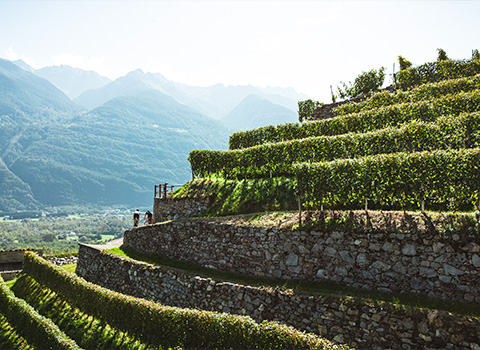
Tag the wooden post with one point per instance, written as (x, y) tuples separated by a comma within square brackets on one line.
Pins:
[(299, 208), (393, 74), (366, 204), (422, 206), (165, 190)]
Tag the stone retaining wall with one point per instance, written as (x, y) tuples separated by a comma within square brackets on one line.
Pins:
[(426, 262), (15, 256), (165, 209), (363, 325)]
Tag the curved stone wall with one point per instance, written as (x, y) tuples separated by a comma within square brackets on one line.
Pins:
[(410, 258), (360, 324)]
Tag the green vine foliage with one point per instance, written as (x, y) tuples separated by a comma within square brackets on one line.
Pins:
[(166, 326), (364, 83), (442, 55), (446, 179), (394, 148), (424, 92), (436, 71), (403, 63), (278, 159), (35, 328), (306, 109), (364, 121)]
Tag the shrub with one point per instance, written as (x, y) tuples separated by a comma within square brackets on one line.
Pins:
[(365, 83), (306, 109), (403, 63)]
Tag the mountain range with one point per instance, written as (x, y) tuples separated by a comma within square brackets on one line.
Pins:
[(69, 136)]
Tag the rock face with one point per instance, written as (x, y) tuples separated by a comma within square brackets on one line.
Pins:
[(360, 324), (422, 263)]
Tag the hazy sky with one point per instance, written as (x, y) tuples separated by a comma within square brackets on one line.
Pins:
[(307, 45)]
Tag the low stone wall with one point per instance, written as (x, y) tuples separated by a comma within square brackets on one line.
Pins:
[(165, 209), (420, 261), (15, 256), (11, 262), (359, 324)]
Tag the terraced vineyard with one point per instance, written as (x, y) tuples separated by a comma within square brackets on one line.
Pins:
[(54, 309), (395, 150), (403, 149)]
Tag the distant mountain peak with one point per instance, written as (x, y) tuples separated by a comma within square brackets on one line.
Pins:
[(25, 66), (72, 81), (256, 111), (136, 72)]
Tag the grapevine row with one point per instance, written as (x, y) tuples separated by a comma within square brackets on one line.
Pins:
[(446, 179), (36, 329), (278, 159), (369, 120), (423, 92), (436, 71), (169, 326)]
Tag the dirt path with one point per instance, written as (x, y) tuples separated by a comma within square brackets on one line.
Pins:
[(116, 243)]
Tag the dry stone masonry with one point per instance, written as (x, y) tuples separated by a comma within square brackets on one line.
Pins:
[(408, 257), (165, 209), (363, 325)]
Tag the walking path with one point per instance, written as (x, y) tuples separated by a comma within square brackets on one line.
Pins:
[(116, 243)]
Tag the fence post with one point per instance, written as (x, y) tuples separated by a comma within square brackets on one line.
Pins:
[(165, 190), (299, 208)]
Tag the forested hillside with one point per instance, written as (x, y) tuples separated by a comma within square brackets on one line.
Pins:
[(54, 152)]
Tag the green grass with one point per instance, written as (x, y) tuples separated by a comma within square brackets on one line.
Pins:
[(231, 197), (107, 238), (312, 287), (69, 267)]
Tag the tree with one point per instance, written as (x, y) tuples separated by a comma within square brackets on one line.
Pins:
[(404, 63), (442, 55), (365, 83), (475, 55), (49, 237)]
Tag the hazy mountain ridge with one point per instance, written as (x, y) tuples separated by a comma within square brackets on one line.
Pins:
[(72, 81), (255, 111), (214, 101), (34, 98), (54, 152), (112, 154)]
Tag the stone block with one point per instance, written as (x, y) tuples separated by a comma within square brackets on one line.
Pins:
[(292, 260), (409, 249)]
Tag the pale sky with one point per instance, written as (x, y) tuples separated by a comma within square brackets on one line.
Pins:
[(306, 45)]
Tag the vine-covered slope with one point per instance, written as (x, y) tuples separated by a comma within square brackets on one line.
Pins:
[(396, 149)]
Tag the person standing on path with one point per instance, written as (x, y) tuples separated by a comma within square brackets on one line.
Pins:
[(136, 218), (148, 215)]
